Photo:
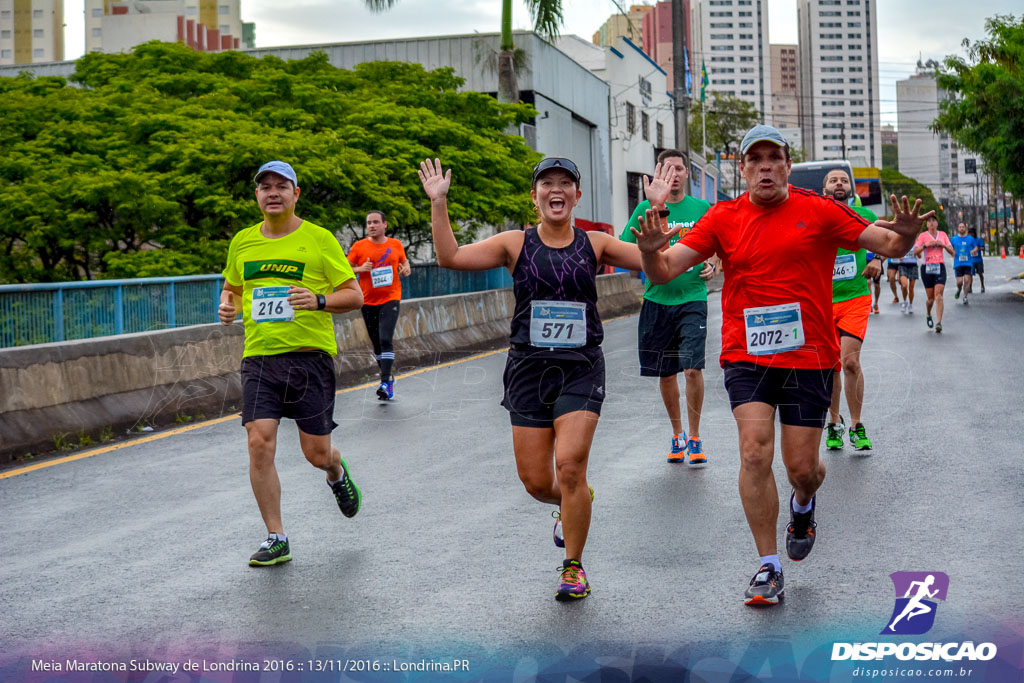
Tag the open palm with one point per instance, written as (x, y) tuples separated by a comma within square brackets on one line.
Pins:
[(435, 182)]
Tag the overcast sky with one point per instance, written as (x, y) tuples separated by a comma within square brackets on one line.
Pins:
[(906, 30)]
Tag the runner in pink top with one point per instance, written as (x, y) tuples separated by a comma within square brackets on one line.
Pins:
[(933, 245)]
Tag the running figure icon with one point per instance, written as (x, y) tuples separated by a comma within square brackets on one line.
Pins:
[(916, 607)]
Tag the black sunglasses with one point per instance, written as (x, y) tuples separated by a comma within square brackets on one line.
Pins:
[(556, 162)]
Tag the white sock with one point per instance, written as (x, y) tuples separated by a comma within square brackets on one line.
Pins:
[(797, 507), (280, 537), (773, 560), (332, 483)]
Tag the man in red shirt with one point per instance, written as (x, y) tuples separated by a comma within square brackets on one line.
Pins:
[(778, 245), (378, 261)]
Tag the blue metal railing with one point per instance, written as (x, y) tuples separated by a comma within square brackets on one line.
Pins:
[(61, 311)]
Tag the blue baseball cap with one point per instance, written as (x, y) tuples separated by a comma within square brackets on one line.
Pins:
[(280, 168), (761, 133)]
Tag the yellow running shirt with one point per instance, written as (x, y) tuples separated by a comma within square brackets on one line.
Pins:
[(310, 257)]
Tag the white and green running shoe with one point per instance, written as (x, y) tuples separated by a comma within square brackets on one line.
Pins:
[(834, 438), (859, 438)]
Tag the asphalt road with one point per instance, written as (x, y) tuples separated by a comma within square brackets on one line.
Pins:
[(143, 551)]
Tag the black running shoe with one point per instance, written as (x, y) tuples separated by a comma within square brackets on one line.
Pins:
[(347, 493), (800, 532), (766, 588), (271, 551)]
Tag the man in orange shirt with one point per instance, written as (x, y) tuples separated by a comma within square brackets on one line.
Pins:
[(379, 260)]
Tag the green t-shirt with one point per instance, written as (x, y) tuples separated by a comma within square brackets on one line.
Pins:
[(847, 281), (688, 286), (310, 257)]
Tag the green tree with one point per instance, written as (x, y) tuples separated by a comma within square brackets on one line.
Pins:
[(891, 157), (894, 182), (147, 169), (728, 120), (984, 113), (547, 20)]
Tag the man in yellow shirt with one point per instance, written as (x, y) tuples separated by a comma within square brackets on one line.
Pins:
[(288, 276)]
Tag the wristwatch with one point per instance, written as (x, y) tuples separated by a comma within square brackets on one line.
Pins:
[(663, 212), (321, 302)]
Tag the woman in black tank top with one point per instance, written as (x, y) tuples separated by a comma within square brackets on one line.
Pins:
[(554, 377)]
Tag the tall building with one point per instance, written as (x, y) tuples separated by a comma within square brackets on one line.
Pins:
[(928, 157), (119, 25), (839, 88), (785, 89), (657, 40), (622, 26), (889, 135), (31, 31), (731, 38)]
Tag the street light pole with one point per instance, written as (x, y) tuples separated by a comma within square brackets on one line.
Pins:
[(682, 100)]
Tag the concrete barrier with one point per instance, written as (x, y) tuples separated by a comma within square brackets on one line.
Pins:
[(53, 395)]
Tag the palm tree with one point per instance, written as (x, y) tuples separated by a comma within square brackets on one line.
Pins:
[(547, 20)]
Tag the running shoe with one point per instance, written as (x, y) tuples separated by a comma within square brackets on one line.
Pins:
[(346, 493), (858, 438), (271, 551), (895, 299), (382, 392), (957, 295), (556, 533), (983, 289), (938, 328), (903, 308), (389, 386), (928, 321), (875, 309), (573, 584), (766, 588), (910, 308), (834, 439), (965, 300), (800, 532), (678, 452), (697, 455)]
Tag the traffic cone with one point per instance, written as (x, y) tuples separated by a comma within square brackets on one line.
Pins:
[(1021, 254), (1002, 252)]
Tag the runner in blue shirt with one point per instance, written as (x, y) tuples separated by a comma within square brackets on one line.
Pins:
[(964, 248), (977, 262)]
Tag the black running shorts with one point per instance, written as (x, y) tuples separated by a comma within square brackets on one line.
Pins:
[(962, 271), (802, 397), (932, 280), (979, 268), (298, 385), (540, 388), (671, 339)]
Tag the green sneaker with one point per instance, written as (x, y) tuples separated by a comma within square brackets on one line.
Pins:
[(346, 493), (858, 438), (834, 440), (271, 551)]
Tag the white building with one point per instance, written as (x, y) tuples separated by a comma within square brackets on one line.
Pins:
[(926, 156), (640, 115), (31, 31), (839, 88), (731, 38), (119, 25)]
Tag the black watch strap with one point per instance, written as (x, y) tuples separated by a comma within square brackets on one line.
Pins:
[(321, 302)]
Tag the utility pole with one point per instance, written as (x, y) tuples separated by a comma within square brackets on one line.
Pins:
[(842, 136), (682, 100)]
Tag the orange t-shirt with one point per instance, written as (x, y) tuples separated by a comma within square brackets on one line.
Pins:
[(381, 284)]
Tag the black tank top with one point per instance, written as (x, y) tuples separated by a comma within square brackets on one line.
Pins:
[(546, 274)]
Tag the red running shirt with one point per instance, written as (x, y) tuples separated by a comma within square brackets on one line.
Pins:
[(782, 255)]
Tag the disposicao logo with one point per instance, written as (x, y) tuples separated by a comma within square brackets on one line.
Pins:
[(917, 594)]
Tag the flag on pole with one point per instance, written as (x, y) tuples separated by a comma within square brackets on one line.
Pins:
[(703, 79), (686, 70)]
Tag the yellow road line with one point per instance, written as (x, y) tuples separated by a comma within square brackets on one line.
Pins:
[(226, 418), (207, 423)]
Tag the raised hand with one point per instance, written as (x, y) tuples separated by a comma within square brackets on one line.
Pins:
[(658, 190), (654, 234), (435, 183), (905, 219)]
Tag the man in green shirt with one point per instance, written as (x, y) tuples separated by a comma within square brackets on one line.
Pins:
[(287, 276), (851, 309), (672, 329)]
